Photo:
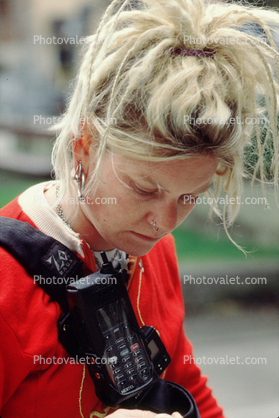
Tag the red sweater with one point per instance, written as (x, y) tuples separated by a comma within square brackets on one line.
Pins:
[(33, 384)]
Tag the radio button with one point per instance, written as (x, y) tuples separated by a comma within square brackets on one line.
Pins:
[(128, 365), (114, 365), (124, 352), (131, 337), (134, 347), (122, 383), (142, 364), (125, 359), (122, 347)]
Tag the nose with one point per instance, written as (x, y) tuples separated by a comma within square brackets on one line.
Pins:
[(168, 215), (165, 216)]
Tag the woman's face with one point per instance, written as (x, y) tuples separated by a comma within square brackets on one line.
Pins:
[(136, 193)]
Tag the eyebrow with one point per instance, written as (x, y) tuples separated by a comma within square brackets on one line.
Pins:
[(148, 179)]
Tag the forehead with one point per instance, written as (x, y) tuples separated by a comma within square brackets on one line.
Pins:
[(193, 172)]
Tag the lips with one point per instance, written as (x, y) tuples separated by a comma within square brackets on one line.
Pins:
[(146, 237)]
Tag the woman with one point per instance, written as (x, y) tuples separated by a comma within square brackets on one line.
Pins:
[(161, 113)]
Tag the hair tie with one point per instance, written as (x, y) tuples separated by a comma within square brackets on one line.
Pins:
[(192, 52)]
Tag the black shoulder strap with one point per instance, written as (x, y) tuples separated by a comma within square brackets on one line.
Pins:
[(51, 264)]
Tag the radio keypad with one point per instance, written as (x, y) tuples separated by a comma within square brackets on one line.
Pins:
[(132, 363)]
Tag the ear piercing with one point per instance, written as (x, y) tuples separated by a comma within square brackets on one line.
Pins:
[(79, 177)]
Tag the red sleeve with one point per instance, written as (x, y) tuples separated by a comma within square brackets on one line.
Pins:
[(23, 333), (37, 377), (14, 364), (14, 210), (157, 299)]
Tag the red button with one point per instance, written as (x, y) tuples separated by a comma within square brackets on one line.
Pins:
[(134, 347)]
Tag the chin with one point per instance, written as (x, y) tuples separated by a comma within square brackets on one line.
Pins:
[(131, 246), (138, 254), (136, 251)]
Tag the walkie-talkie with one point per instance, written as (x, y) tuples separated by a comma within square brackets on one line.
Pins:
[(118, 353)]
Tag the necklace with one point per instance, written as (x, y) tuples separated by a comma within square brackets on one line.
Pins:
[(59, 210)]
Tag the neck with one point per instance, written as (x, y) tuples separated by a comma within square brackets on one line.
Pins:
[(77, 221)]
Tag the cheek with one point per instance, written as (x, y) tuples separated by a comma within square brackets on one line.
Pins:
[(128, 206), (114, 213), (123, 207)]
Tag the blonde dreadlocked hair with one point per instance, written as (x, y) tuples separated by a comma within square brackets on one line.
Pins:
[(148, 102)]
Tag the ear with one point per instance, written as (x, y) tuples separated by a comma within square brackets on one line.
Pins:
[(81, 147)]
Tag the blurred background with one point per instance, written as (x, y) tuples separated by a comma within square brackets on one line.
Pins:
[(40, 50)]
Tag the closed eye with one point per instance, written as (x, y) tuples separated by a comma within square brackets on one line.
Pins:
[(144, 192), (141, 191)]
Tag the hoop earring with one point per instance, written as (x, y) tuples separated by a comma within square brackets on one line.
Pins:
[(153, 224), (79, 177)]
